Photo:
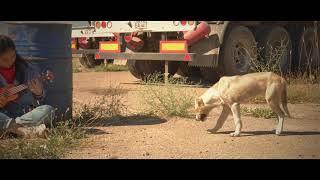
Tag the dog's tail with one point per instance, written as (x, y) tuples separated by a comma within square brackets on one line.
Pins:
[(284, 98)]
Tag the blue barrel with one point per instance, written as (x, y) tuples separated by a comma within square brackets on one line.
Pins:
[(3, 28), (48, 45)]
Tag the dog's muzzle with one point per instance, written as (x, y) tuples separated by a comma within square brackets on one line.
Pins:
[(201, 117)]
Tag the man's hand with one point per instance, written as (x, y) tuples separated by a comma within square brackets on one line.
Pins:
[(35, 87)]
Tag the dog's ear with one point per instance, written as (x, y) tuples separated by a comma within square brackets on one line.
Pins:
[(200, 102)]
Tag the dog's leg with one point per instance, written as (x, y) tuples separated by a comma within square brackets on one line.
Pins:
[(285, 108), (275, 106), (274, 102), (235, 108), (284, 101), (280, 125), (223, 117)]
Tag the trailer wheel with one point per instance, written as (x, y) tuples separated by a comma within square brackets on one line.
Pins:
[(98, 62), (143, 68), (88, 60), (308, 50), (212, 75), (134, 67), (276, 44), (188, 71), (150, 67), (238, 50), (173, 67)]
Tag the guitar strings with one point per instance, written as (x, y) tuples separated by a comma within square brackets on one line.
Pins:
[(14, 90)]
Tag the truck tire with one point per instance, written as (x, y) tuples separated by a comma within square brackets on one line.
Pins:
[(188, 71), (150, 67), (88, 61), (98, 62), (173, 67), (238, 50), (134, 69), (133, 66), (143, 68), (308, 52), (270, 40), (212, 75)]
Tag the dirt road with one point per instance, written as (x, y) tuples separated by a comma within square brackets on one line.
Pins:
[(185, 138)]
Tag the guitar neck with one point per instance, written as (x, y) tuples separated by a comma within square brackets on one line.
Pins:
[(21, 87), (17, 89)]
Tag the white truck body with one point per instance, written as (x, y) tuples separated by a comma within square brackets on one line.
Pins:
[(145, 26), (84, 29)]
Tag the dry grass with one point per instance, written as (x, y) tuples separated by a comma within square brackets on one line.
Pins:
[(166, 100), (77, 67), (60, 139), (266, 113), (271, 61), (300, 90), (302, 87), (110, 104), (110, 68), (66, 134)]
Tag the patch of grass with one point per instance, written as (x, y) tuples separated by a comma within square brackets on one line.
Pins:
[(110, 68), (258, 100), (298, 93), (303, 78), (60, 139), (304, 93), (76, 68), (166, 100), (258, 112), (66, 134), (109, 104), (270, 62)]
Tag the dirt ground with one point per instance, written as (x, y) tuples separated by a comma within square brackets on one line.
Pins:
[(186, 138)]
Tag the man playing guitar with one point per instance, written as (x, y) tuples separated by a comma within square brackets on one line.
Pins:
[(21, 91)]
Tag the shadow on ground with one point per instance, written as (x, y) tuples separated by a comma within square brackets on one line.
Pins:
[(284, 133), (133, 120), (94, 131)]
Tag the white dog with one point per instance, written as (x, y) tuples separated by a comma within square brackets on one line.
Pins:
[(229, 92)]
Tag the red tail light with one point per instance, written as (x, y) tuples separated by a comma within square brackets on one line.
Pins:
[(128, 38), (183, 23), (98, 24), (103, 24)]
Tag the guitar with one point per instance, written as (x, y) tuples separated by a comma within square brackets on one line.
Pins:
[(10, 91)]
